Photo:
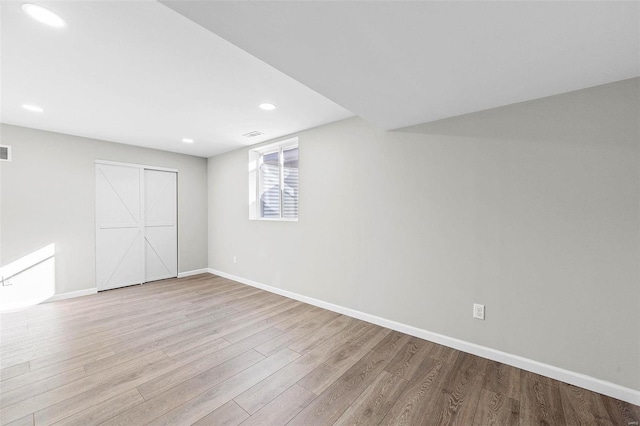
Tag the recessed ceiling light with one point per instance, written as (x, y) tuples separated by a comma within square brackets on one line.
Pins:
[(187, 140), (32, 108), (43, 15), (267, 106)]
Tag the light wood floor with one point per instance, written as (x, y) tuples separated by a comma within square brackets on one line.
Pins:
[(208, 351)]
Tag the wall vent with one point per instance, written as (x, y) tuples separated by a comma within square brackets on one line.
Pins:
[(253, 134), (5, 153)]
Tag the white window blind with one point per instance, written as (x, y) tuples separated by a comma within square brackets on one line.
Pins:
[(290, 180), (270, 185)]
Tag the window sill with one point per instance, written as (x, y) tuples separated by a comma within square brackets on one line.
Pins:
[(280, 219)]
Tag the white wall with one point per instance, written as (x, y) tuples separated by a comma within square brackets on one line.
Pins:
[(530, 209), (47, 196)]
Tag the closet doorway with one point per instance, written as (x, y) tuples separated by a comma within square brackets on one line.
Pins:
[(136, 224)]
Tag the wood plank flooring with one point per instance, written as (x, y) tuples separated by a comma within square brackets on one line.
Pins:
[(205, 350)]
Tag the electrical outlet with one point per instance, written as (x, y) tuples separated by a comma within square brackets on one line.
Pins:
[(235, 260), (478, 311)]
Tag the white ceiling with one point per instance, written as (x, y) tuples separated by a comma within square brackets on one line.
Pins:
[(402, 63), (139, 73)]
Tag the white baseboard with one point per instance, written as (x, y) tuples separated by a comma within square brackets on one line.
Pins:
[(71, 294), (193, 272), (89, 291), (577, 379)]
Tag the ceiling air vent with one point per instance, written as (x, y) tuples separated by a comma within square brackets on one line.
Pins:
[(5, 153), (253, 134)]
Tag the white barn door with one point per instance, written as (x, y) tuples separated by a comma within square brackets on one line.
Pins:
[(119, 230), (136, 225), (160, 225)]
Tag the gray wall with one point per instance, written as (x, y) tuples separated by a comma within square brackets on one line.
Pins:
[(47, 196), (530, 209)]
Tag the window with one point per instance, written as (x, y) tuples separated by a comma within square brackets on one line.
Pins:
[(274, 181)]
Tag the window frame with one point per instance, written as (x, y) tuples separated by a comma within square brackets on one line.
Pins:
[(255, 181)]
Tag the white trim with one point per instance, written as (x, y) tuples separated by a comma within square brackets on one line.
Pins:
[(577, 379), (278, 219), (140, 166), (141, 228), (71, 294), (275, 146), (193, 272)]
